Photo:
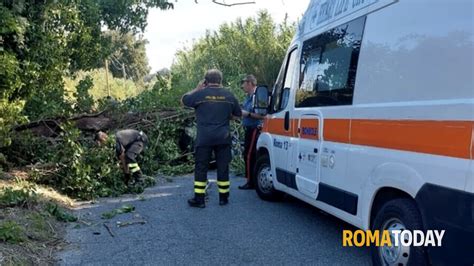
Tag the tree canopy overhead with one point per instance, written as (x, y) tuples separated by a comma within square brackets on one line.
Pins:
[(41, 40)]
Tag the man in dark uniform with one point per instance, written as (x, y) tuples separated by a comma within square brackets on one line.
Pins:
[(252, 123), (215, 107), (129, 143)]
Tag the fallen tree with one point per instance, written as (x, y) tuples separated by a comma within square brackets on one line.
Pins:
[(60, 151), (104, 121)]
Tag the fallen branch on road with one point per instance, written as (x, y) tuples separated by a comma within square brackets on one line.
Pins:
[(106, 225), (123, 224)]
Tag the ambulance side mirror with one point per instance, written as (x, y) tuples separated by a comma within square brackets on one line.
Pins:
[(260, 103)]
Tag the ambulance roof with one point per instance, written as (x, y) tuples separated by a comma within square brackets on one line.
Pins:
[(322, 14)]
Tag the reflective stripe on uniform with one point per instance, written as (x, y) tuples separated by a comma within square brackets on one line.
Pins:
[(224, 186), (223, 183), (199, 183), (133, 167), (200, 187), (134, 170), (200, 190), (224, 190)]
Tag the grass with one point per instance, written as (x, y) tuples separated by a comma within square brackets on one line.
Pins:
[(31, 222), (11, 232)]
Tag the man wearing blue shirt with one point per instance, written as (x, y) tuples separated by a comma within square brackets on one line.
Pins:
[(252, 123)]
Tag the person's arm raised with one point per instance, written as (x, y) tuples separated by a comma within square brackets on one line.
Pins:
[(190, 103)]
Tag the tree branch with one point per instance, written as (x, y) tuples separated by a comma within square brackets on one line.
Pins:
[(229, 5), (234, 4)]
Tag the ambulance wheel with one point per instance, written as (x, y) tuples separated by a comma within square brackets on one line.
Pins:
[(398, 214), (264, 182)]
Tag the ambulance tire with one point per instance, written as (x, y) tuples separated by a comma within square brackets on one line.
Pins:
[(405, 211), (265, 191)]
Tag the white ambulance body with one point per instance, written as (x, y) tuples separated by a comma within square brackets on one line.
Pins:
[(372, 118)]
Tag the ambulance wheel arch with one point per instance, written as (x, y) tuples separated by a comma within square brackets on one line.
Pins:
[(382, 196), (388, 181), (393, 207)]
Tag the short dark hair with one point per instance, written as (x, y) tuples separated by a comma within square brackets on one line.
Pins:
[(213, 76)]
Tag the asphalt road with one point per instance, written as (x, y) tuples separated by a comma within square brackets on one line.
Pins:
[(247, 231)]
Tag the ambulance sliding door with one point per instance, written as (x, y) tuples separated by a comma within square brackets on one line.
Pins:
[(324, 104)]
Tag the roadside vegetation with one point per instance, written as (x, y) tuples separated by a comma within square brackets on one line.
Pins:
[(32, 221)]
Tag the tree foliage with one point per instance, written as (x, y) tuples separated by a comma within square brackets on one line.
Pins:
[(128, 59), (254, 46), (40, 41)]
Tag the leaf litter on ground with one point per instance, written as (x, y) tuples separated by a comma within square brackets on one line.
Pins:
[(124, 209)]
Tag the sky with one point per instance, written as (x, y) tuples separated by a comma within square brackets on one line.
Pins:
[(170, 30)]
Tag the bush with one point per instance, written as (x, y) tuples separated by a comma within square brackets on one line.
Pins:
[(59, 213), (11, 232), (10, 115), (10, 197), (28, 149)]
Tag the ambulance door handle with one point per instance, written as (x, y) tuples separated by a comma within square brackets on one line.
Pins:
[(287, 120), (315, 150)]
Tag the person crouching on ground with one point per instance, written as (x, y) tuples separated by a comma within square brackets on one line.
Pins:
[(129, 143), (215, 107)]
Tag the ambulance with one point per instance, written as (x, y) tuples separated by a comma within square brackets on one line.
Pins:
[(371, 119)]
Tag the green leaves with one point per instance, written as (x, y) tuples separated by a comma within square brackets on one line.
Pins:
[(76, 168), (42, 41), (128, 56), (11, 232), (59, 213), (16, 197), (85, 102), (255, 46), (10, 115), (124, 209), (128, 15)]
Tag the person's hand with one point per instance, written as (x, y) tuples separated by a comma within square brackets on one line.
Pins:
[(201, 85), (245, 113)]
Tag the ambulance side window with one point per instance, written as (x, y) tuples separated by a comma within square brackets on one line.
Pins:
[(328, 66), (285, 78)]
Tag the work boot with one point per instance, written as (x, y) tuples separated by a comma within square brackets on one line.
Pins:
[(126, 178), (197, 202), (247, 186), (137, 179), (223, 199)]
